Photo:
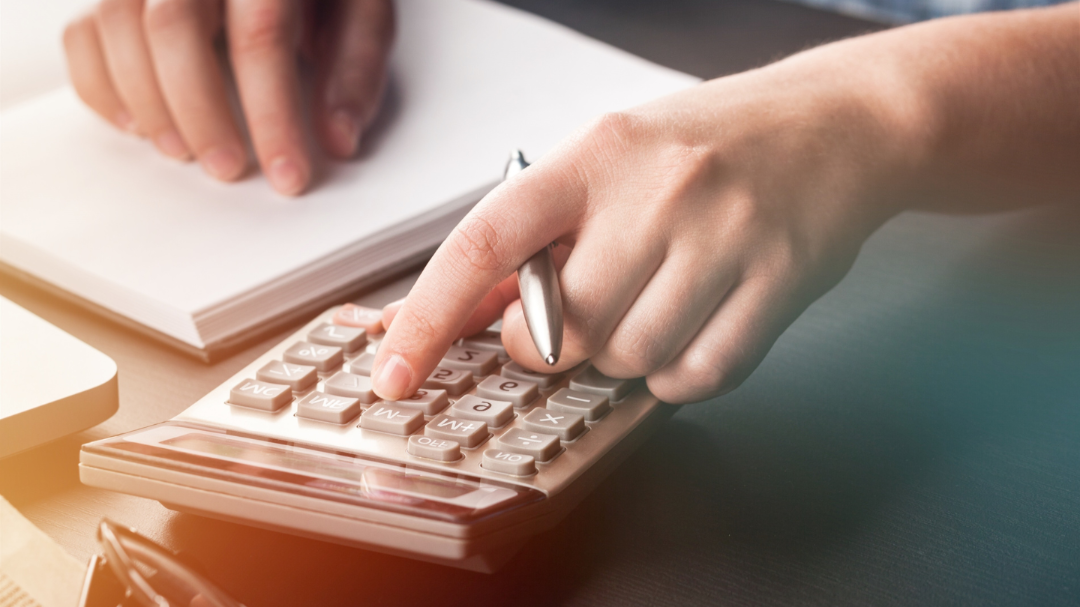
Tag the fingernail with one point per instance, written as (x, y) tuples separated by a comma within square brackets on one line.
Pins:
[(126, 122), (345, 132), (393, 378), (286, 175), (222, 163), (171, 145), (390, 310)]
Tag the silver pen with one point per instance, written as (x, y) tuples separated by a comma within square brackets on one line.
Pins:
[(541, 298)]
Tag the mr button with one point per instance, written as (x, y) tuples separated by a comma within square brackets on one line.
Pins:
[(328, 408)]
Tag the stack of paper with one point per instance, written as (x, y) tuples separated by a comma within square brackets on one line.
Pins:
[(102, 216)]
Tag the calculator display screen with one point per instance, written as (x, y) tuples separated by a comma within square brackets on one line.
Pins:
[(342, 477)]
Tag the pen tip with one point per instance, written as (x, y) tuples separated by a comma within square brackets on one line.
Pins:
[(551, 359)]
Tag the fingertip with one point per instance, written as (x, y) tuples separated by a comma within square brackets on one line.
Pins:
[(223, 163), (170, 144), (392, 378), (341, 133), (288, 175)]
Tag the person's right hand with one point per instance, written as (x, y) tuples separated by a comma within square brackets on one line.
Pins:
[(150, 67)]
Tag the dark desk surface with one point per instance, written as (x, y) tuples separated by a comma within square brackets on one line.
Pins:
[(913, 439)]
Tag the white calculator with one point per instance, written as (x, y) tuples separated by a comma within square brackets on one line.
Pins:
[(483, 456)]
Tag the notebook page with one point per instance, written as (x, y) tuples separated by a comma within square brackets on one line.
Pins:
[(469, 81)]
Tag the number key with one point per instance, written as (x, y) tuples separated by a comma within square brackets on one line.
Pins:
[(518, 391), (428, 402), (453, 381), (594, 382), (349, 339), (477, 362), (494, 413), (512, 370)]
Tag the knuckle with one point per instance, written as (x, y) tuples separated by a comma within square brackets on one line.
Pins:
[(165, 15), (638, 350), (74, 31), (708, 373), (476, 244), (113, 10), (268, 26)]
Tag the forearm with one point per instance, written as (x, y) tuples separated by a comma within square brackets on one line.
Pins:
[(986, 108)]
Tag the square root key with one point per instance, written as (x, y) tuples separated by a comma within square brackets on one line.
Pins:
[(352, 315)]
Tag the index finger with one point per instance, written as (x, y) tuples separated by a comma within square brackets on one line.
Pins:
[(510, 224)]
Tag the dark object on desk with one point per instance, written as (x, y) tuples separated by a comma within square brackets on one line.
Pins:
[(118, 578)]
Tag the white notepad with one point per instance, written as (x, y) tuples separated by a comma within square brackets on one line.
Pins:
[(102, 216)]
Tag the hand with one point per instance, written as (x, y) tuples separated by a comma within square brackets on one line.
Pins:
[(150, 67), (698, 227)]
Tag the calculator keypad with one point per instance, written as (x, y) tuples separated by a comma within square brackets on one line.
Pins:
[(352, 315), (517, 420)]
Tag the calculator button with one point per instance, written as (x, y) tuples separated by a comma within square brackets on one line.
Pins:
[(594, 382), (297, 377), (428, 402), (323, 358), (488, 340), (328, 408), (477, 362), (512, 370), (495, 413), (260, 395), (467, 432), (361, 365), (567, 426), (352, 315), (521, 392), (506, 462), (349, 339), (591, 406), (434, 448), (351, 385), (541, 446), (391, 419), (455, 382)]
